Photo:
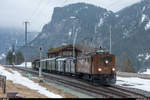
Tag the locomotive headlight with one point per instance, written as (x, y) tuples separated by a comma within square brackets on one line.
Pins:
[(99, 69), (106, 61), (113, 69)]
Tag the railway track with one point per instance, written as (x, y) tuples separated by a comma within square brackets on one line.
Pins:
[(134, 94), (92, 90)]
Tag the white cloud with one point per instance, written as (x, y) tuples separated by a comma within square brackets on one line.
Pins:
[(14, 12)]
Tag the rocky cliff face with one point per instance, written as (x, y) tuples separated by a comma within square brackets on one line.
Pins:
[(91, 25), (88, 21)]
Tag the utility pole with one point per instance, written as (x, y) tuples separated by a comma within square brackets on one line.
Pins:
[(73, 42), (110, 40), (74, 19), (40, 69), (26, 32), (13, 53)]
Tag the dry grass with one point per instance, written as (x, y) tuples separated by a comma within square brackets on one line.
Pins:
[(56, 91), (8, 69), (28, 93), (24, 91), (52, 89)]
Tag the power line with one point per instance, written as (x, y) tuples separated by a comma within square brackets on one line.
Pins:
[(35, 10)]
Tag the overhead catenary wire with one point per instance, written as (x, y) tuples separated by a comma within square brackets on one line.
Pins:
[(35, 10), (38, 11)]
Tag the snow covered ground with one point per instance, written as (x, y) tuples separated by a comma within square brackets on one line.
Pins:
[(29, 65), (131, 82), (16, 77), (134, 82), (147, 72)]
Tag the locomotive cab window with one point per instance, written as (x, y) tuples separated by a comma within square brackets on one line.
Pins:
[(109, 59)]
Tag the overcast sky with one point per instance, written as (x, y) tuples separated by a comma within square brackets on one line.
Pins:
[(38, 12)]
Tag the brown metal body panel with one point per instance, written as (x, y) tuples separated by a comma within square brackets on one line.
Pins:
[(99, 63), (90, 65)]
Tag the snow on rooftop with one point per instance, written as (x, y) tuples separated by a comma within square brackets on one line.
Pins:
[(16, 77), (133, 82)]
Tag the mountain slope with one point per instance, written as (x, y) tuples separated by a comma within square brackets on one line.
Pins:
[(130, 30), (11, 36)]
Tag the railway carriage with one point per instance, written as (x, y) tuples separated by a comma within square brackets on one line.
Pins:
[(36, 64), (61, 65), (70, 67), (44, 64), (51, 65)]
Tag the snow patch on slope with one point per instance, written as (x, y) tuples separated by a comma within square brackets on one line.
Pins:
[(143, 18), (147, 56), (143, 8), (147, 26), (144, 57), (2, 56), (100, 22)]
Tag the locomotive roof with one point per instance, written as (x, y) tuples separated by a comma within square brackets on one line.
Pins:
[(48, 59), (94, 53)]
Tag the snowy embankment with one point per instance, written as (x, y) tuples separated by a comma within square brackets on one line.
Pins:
[(147, 72), (133, 80), (16, 77)]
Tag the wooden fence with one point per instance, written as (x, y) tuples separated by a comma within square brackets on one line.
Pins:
[(3, 83)]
